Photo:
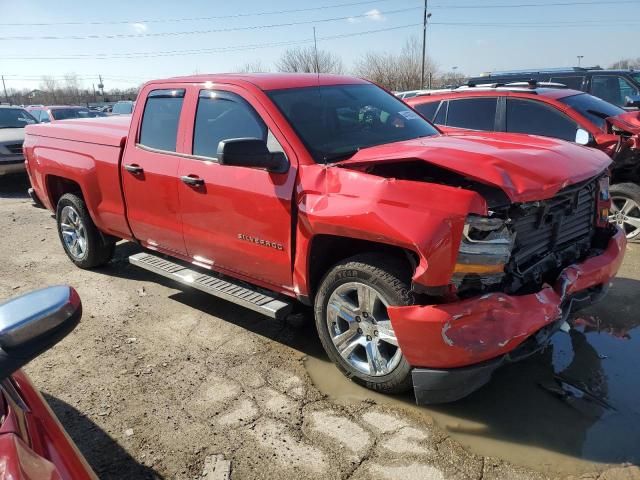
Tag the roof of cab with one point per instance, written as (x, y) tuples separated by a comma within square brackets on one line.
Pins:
[(269, 81)]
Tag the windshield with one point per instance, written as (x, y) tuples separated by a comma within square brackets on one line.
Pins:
[(336, 121), (66, 113), (122, 108), (15, 118), (594, 108), (635, 76)]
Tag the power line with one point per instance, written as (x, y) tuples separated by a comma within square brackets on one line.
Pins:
[(193, 19), (195, 32), (237, 48), (525, 5)]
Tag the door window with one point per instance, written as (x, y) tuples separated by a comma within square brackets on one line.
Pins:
[(612, 88), (534, 118), (428, 110), (441, 115), (472, 113), (160, 119), (223, 116)]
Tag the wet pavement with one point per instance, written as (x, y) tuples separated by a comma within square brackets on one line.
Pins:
[(569, 410)]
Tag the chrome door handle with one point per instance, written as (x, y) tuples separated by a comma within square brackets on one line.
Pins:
[(133, 168), (192, 180)]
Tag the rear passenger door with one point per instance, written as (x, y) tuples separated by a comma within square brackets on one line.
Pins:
[(472, 113), (150, 171), (537, 118)]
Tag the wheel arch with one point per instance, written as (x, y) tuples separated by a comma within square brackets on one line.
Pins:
[(327, 250)]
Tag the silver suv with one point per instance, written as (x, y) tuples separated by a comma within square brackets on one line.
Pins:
[(12, 123)]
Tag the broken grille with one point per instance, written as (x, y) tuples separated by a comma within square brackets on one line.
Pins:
[(568, 219)]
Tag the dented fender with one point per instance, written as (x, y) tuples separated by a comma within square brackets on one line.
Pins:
[(424, 218), (482, 328)]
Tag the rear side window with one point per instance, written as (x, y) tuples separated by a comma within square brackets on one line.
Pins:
[(223, 116), (472, 113), (428, 110), (534, 118), (160, 119), (575, 83)]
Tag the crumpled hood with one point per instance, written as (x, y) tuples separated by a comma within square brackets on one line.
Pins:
[(11, 135), (629, 122), (525, 167)]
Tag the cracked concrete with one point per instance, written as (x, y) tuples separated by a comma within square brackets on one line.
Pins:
[(222, 385)]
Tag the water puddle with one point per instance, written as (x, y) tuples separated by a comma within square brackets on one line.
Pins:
[(572, 409)]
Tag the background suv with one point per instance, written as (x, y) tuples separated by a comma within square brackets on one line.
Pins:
[(551, 112), (620, 87), (12, 123)]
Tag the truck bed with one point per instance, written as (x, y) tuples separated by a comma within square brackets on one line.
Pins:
[(111, 131)]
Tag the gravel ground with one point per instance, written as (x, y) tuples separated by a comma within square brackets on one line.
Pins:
[(161, 382)]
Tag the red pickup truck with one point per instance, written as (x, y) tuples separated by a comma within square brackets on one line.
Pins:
[(430, 260)]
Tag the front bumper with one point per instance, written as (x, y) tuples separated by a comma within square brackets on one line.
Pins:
[(12, 166), (458, 345)]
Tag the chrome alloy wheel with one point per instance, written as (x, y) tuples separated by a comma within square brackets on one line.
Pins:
[(625, 212), (73, 232), (361, 331)]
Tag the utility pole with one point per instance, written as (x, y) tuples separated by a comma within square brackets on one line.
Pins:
[(101, 86), (425, 18), (5, 90), (580, 57), (315, 47)]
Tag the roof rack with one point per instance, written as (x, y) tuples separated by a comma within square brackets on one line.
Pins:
[(542, 70)]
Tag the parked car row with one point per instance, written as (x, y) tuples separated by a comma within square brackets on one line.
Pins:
[(431, 258), (13, 119)]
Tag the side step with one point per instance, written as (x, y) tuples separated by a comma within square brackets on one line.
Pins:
[(231, 290)]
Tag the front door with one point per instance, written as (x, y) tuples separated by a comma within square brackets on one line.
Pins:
[(150, 173), (236, 219)]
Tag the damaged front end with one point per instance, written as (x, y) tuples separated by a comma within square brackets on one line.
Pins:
[(519, 273), (625, 151)]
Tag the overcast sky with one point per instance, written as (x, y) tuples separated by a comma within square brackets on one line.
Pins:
[(172, 38)]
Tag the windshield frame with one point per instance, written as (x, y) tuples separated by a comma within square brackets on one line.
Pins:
[(597, 120), (329, 157)]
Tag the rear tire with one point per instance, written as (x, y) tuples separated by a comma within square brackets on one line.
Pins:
[(82, 241), (351, 319), (625, 208)]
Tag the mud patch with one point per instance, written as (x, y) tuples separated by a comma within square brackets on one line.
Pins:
[(572, 409)]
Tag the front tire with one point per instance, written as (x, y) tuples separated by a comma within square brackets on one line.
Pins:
[(353, 324), (82, 241), (625, 208)]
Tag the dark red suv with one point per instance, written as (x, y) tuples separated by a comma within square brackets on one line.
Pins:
[(551, 112)]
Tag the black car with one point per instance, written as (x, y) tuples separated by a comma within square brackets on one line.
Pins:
[(620, 87)]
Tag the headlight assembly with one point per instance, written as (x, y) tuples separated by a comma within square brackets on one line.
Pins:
[(484, 251)]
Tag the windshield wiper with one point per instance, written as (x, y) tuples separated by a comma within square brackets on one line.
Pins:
[(334, 157)]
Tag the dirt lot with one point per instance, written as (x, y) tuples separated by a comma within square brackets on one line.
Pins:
[(163, 382)]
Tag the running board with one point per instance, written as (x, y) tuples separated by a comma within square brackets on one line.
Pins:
[(240, 293)]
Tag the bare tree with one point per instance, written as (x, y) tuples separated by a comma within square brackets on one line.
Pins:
[(254, 66), (396, 71), (626, 63), (448, 79), (303, 59)]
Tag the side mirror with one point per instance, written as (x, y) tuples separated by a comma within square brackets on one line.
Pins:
[(632, 101), (251, 152), (33, 323), (583, 137)]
